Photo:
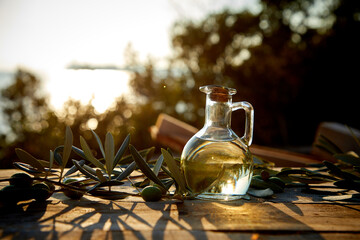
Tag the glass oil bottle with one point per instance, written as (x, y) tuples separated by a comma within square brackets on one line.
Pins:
[(216, 163)]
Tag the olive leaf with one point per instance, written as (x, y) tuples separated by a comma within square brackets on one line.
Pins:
[(109, 153), (100, 175), (121, 150), (57, 156), (168, 183), (89, 169), (66, 151), (85, 172), (129, 159), (141, 163), (310, 180), (67, 146), (158, 165), (27, 168), (45, 163), (167, 171), (33, 171), (174, 169), (156, 169), (327, 145), (126, 172), (99, 142), (149, 153), (105, 184), (349, 159), (89, 155), (334, 170), (261, 184), (79, 152), (304, 175), (353, 135), (26, 157), (73, 169), (51, 160), (262, 193)]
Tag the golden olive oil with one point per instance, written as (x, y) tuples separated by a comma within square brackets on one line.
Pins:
[(217, 169)]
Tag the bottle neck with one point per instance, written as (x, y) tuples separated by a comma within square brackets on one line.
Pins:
[(217, 113)]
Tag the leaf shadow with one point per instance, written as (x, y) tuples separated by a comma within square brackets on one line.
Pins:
[(24, 212), (158, 231), (235, 218), (109, 220), (83, 218)]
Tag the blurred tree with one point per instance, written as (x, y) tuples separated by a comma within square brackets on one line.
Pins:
[(36, 128), (26, 110), (292, 61)]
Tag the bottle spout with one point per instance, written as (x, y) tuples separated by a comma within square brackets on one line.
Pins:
[(218, 93)]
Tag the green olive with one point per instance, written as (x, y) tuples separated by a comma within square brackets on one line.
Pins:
[(265, 175), (41, 185), (13, 194), (163, 190), (258, 183), (257, 176), (151, 194), (7, 196), (8, 188), (21, 180), (41, 191), (277, 181), (73, 194), (275, 187), (51, 186), (261, 184)]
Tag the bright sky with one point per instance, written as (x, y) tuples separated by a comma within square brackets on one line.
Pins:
[(44, 36)]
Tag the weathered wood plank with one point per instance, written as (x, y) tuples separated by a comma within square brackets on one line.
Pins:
[(190, 215), (180, 234), (130, 218)]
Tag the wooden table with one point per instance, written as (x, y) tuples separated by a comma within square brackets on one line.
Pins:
[(293, 214)]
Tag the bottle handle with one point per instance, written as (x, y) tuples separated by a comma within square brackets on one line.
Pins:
[(249, 120)]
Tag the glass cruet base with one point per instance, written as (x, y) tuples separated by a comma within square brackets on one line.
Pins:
[(217, 170)]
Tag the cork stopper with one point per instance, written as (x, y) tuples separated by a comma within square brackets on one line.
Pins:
[(218, 93)]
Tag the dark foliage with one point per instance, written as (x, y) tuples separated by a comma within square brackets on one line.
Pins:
[(295, 61)]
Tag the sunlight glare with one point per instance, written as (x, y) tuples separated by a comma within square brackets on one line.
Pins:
[(101, 87), (229, 188), (92, 123)]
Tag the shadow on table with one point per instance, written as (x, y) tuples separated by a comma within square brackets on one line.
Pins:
[(85, 219), (233, 220), (14, 216), (241, 219), (110, 220), (315, 195), (81, 224)]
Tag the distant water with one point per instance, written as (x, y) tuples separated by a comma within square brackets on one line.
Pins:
[(5, 78), (100, 86)]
